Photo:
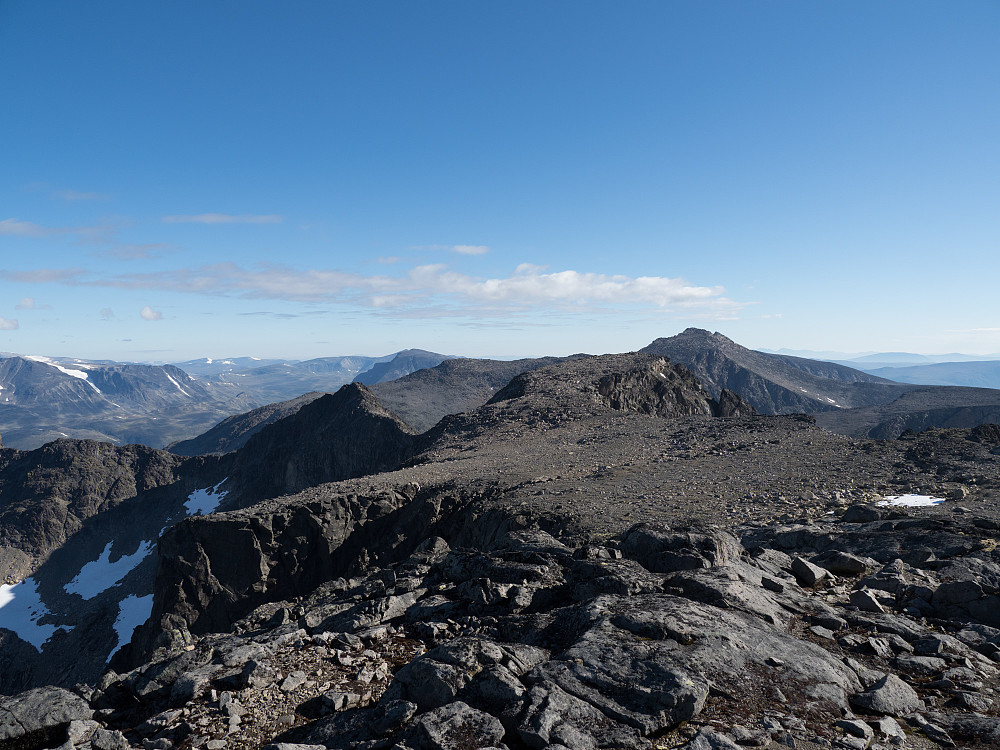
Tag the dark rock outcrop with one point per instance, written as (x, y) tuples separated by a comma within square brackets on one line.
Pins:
[(337, 436)]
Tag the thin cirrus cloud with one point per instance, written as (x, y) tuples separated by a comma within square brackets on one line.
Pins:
[(30, 303), (142, 251), (17, 228), (224, 219), (76, 195), (427, 287)]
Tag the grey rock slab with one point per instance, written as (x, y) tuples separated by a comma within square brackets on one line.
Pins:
[(887, 727), (40, 708), (660, 549), (709, 739), (972, 701), (191, 684), (81, 730), (392, 715), (844, 563), (293, 681), (806, 573), (437, 677), (108, 739), (856, 727), (553, 716), (456, 726), (890, 696), (926, 666), (866, 601)]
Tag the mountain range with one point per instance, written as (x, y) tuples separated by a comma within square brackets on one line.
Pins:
[(623, 551), (44, 398)]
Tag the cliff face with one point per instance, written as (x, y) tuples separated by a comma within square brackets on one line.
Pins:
[(337, 436), (48, 493)]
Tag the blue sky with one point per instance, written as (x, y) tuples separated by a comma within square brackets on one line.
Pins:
[(307, 179)]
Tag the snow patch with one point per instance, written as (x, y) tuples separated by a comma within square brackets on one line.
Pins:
[(65, 370), (202, 502), (21, 608), (102, 574), (170, 378), (133, 611), (912, 501)]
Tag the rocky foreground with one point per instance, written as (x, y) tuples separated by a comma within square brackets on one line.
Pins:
[(602, 557)]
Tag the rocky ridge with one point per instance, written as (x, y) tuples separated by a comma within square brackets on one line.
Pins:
[(590, 560)]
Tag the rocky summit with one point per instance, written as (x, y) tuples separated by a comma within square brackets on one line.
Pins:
[(605, 554)]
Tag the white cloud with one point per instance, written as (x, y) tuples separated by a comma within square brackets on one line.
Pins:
[(16, 228), (68, 276), (26, 303), (224, 219), (9, 324), (470, 249), (107, 313), (425, 288), (148, 313)]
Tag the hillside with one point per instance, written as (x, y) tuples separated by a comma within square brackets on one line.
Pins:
[(773, 383), (405, 362), (420, 399), (844, 400), (43, 400)]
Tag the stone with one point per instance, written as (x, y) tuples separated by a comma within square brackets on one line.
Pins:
[(39, 709), (856, 727), (391, 715), (340, 701), (456, 726), (925, 666), (864, 600), (81, 730), (709, 739), (972, 701), (844, 563), (108, 739), (293, 682), (889, 696), (660, 549), (806, 573), (887, 727)]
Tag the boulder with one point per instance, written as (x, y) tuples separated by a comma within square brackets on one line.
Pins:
[(40, 709), (889, 696), (456, 726), (660, 549)]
